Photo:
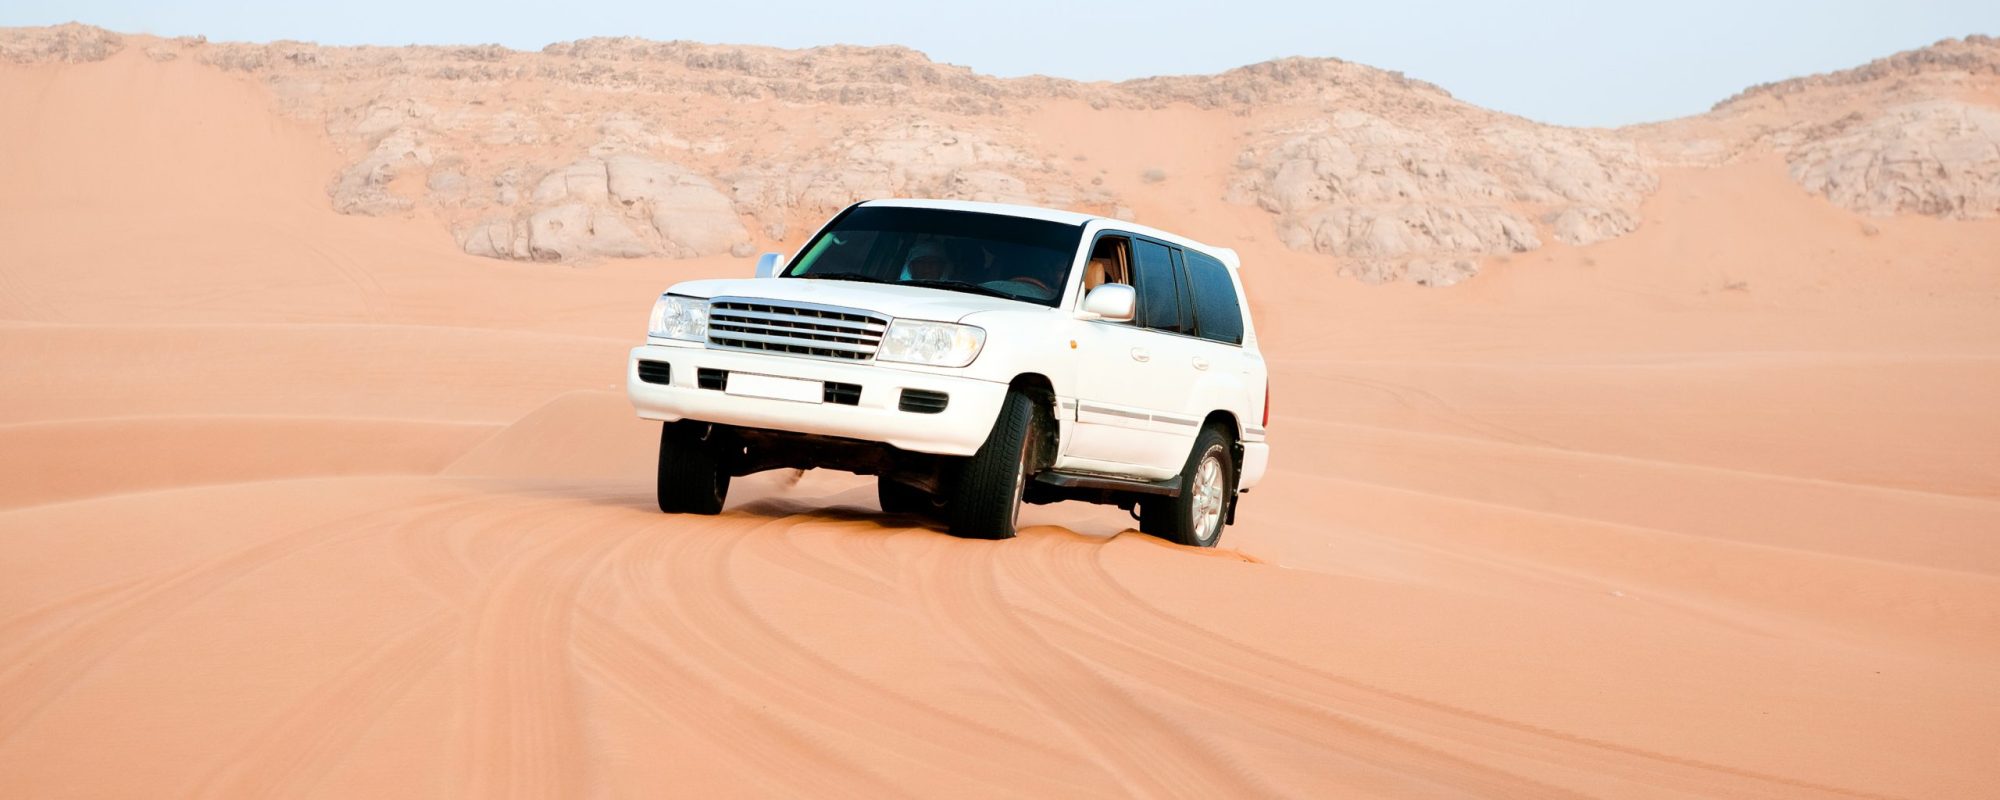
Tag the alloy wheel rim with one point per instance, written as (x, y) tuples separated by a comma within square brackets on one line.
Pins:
[(1207, 502)]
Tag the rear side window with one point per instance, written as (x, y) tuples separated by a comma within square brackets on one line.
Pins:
[(1217, 312), (1158, 286), (1187, 300)]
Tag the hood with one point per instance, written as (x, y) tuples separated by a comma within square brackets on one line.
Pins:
[(904, 302)]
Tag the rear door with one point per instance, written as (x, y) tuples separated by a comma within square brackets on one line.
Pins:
[(1230, 375)]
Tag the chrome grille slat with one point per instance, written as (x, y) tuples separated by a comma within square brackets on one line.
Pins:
[(803, 333), (746, 314), (803, 329), (740, 336)]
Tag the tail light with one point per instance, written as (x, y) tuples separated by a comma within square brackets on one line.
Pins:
[(1267, 403)]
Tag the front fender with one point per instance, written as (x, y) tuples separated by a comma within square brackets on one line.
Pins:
[(1042, 342)]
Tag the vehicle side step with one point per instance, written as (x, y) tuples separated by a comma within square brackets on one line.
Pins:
[(1170, 487)]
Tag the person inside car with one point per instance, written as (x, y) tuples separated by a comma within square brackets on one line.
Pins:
[(928, 261), (1106, 265)]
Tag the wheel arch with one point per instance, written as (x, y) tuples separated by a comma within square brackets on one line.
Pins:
[(1226, 422), (1043, 390)]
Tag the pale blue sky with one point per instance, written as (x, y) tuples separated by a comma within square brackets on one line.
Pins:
[(1566, 61)]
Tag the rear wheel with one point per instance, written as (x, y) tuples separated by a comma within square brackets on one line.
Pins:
[(1195, 517), (985, 502), (691, 477)]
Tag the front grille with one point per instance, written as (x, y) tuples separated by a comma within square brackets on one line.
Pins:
[(846, 394), (923, 401), (655, 372), (794, 329), (709, 378)]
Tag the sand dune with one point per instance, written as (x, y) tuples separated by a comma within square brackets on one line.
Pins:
[(308, 504), (57, 461)]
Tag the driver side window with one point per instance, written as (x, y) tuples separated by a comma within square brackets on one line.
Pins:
[(1110, 262)]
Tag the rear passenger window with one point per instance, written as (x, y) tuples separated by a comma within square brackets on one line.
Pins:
[(1187, 299), (1217, 313), (1158, 287)]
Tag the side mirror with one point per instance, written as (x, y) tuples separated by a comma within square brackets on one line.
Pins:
[(1112, 301), (767, 264)]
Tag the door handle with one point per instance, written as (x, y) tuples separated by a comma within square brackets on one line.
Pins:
[(1141, 354), (1200, 363)]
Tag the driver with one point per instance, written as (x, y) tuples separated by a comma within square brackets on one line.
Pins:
[(928, 261), (1042, 276)]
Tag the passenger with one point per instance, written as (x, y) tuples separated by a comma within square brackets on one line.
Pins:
[(928, 261)]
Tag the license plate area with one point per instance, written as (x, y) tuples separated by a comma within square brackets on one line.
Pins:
[(772, 387)]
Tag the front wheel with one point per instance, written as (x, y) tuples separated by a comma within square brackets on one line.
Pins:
[(985, 503), (692, 478), (1195, 517)]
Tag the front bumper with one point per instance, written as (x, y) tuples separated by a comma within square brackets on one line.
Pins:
[(958, 430)]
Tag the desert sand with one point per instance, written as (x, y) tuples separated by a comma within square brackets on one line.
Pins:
[(317, 485)]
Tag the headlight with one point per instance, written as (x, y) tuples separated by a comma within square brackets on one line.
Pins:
[(677, 317), (938, 344)]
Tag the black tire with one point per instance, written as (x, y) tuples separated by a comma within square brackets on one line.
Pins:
[(1195, 518), (691, 479), (985, 502), (897, 497)]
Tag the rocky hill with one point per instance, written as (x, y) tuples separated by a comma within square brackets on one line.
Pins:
[(1916, 132), (606, 148)]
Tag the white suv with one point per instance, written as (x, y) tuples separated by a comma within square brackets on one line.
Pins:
[(973, 356)]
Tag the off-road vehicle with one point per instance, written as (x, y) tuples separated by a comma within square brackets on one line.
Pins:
[(973, 357)]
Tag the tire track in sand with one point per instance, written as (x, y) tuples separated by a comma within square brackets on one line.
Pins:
[(701, 607), (23, 630), (1135, 637), (432, 548), (772, 741), (779, 549), (1057, 573), (49, 665), (777, 757), (1147, 755), (295, 751), (525, 737)]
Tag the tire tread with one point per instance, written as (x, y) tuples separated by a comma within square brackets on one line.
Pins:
[(983, 503), (690, 479)]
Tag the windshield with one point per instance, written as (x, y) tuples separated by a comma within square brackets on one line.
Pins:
[(964, 251)]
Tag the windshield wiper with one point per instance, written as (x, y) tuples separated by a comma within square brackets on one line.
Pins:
[(961, 286), (841, 276)]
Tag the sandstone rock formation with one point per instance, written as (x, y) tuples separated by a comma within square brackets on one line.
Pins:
[(910, 156), (619, 147), (1914, 132), (1937, 158), (69, 44), (1391, 199), (620, 206), (1955, 60)]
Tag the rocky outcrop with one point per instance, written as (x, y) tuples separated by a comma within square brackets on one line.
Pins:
[(621, 206), (1938, 158), (69, 43), (368, 186), (619, 147), (1971, 56), (910, 156), (1910, 133), (1392, 200)]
